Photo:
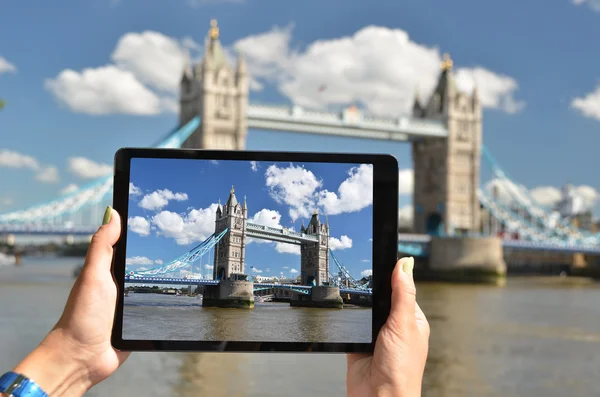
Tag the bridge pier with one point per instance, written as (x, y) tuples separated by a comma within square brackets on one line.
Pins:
[(322, 296), (238, 294), (464, 259)]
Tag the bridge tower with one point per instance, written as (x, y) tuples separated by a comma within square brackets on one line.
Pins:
[(219, 95), (446, 171), (314, 256), (230, 251)]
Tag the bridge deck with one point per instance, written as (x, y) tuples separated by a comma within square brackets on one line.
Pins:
[(279, 235), (350, 123)]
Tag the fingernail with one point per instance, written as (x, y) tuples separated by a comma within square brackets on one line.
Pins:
[(107, 215), (408, 265)]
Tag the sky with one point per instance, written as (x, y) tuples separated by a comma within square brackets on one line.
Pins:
[(82, 79), (173, 203)]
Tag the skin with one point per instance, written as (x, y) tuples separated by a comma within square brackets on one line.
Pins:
[(77, 353)]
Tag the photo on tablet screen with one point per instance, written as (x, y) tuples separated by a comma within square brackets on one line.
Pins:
[(249, 251)]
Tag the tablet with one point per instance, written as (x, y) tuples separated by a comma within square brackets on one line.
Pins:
[(253, 251)]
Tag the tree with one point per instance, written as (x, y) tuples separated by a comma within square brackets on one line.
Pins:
[(2, 103)]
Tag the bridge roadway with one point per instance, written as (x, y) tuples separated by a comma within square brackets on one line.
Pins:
[(305, 289), (280, 235), (349, 123)]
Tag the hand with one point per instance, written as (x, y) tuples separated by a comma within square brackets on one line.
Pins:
[(77, 353), (397, 365)]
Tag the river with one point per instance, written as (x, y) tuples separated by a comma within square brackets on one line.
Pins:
[(531, 337), (167, 317)]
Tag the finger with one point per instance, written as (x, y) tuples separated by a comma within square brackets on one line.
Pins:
[(403, 291), (422, 322), (100, 252)]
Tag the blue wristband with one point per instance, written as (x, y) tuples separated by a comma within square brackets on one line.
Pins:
[(17, 385)]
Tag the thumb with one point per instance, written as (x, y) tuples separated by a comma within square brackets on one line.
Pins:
[(404, 293), (100, 252)]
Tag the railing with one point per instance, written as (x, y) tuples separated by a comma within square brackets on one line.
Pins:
[(355, 118)]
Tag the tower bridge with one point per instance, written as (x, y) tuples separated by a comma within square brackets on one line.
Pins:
[(466, 226), (229, 286)]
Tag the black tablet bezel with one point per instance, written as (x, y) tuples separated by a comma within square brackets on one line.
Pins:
[(385, 244)]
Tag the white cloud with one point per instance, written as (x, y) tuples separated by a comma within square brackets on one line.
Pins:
[(546, 195), (340, 244), (285, 267), (254, 166), (284, 248), (134, 190), (88, 169), (209, 267), (139, 225), (142, 80), (155, 59), (195, 226), (589, 105), (584, 197), (588, 197), (495, 91), (255, 270), (378, 66), (354, 194), (266, 54), (139, 260), (365, 260), (593, 4), (48, 175), (104, 90), (69, 189), (293, 271), (6, 67), (405, 181), (160, 198), (12, 159), (293, 186), (267, 217), (215, 162), (297, 187), (158, 261), (405, 217), (366, 273)]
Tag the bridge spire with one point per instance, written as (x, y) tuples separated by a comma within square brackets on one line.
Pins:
[(213, 32), (447, 63)]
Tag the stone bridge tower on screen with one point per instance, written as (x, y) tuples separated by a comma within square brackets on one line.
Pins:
[(314, 257), (230, 252), (446, 171), (218, 95)]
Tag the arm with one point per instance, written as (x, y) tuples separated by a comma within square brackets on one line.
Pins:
[(77, 353)]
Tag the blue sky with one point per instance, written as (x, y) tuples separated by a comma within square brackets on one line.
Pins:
[(68, 72), (173, 202)]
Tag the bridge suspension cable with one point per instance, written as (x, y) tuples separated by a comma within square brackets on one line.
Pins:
[(346, 274), (540, 218), (185, 260), (88, 195)]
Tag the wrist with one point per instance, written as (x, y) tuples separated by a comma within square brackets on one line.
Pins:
[(55, 367)]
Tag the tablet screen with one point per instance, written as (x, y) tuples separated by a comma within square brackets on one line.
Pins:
[(231, 250)]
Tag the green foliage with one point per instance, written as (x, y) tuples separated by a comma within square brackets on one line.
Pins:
[(2, 103)]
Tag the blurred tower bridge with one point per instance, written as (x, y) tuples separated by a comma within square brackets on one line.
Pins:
[(458, 227)]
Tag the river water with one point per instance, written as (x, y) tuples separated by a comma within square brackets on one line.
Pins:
[(167, 317), (531, 337)]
